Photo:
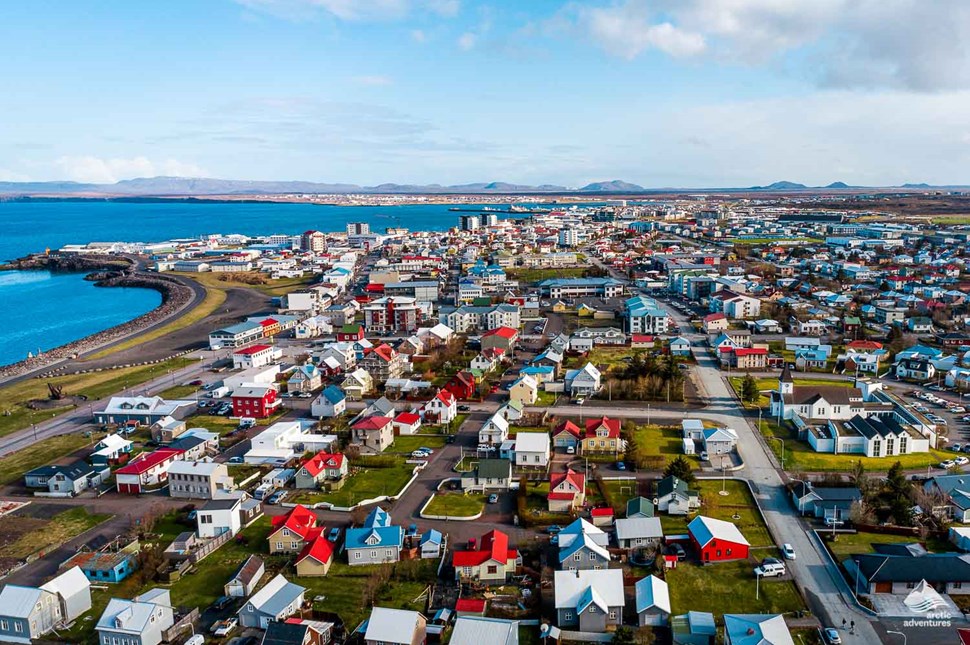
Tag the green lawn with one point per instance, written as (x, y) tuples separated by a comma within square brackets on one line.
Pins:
[(661, 441), (845, 544), (179, 392), (406, 444), (739, 501), (766, 384), (13, 466), (545, 399), (621, 491), (15, 415), (455, 505), (513, 430), (538, 275), (609, 356), (799, 456), (729, 587), (59, 529), (368, 483)]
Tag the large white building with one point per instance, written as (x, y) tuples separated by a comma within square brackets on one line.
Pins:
[(470, 319)]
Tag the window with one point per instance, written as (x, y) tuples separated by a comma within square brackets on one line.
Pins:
[(294, 545), (577, 557), (356, 555), (592, 556), (389, 553), (3, 625), (279, 546), (492, 569), (568, 615), (612, 614)]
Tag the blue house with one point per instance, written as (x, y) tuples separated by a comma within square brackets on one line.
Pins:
[(431, 542), (376, 542), (105, 566), (680, 346)]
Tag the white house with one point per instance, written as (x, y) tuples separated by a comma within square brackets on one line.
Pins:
[(494, 431), (254, 356), (584, 381), (331, 402), (443, 408)]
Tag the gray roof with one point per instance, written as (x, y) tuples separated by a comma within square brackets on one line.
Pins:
[(276, 595), (494, 468), (638, 527), (478, 630), (391, 625), (17, 601)]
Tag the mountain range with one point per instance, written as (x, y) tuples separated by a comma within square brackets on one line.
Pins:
[(191, 186)]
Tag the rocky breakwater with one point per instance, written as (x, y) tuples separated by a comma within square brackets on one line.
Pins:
[(106, 271)]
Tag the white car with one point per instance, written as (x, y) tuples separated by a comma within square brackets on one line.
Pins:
[(948, 464), (420, 454), (961, 461), (788, 551)]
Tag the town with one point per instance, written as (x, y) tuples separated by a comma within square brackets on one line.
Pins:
[(696, 419)]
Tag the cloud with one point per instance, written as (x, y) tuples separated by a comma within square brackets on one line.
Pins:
[(467, 41), (375, 80), (910, 44), (352, 10), (10, 175), (418, 36), (98, 170)]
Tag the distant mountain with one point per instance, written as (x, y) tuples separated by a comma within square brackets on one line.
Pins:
[(614, 186), (838, 184), (916, 186), (781, 185)]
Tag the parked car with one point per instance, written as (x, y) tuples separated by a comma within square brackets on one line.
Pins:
[(464, 408), (222, 628), (334, 534), (419, 454), (961, 461), (678, 550), (571, 450), (832, 522), (221, 603), (947, 465), (788, 551), (553, 528), (832, 636), (426, 449), (493, 498), (276, 497), (620, 465), (769, 570), (956, 447), (235, 460)]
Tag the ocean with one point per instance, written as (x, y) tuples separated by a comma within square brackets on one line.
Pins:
[(45, 311)]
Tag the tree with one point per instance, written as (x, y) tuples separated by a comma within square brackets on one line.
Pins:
[(860, 478), (749, 389), (681, 469), (624, 636)]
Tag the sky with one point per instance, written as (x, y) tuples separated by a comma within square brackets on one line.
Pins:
[(662, 93)]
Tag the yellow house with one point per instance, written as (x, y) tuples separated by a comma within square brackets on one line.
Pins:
[(316, 558), (560, 307), (585, 311), (525, 390)]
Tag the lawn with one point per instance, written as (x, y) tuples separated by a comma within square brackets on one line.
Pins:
[(846, 544), (455, 505), (15, 415), (538, 275), (406, 444), (14, 465), (766, 384), (49, 533), (179, 392), (665, 441), (729, 588), (367, 483), (738, 502), (212, 301), (610, 356), (546, 399), (250, 280), (620, 491), (513, 430), (799, 456)]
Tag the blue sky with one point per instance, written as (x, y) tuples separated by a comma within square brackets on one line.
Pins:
[(685, 93)]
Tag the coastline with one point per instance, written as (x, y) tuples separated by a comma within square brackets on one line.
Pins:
[(105, 272)]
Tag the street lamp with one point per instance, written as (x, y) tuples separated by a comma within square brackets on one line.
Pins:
[(782, 449)]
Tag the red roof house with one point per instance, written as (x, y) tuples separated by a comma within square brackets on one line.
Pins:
[(406, 423), (493, 560), (567, 491), (462, 386), (291, 532), (146, 470), (566, 434)]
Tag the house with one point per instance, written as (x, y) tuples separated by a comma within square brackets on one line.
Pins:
[(919, 325), (376, 542), (532, 450), (198, 480), (679, 346), (652, 599), (443, 408), (374, 433), (719, 441), (524, 390), (430, 544), (167, 429), (486, 360), (298, 631), (717, 540), (350, 333), (602, 436), (146, 471), (582, 545), (479, 630), (331, 402), (954, 491), (321, 467), (143, 620), (693, 628), (384, 362), (67, 480), (900, 574), (566, 435), (763, 629), (253, 356), (257, 401), (113, 449), (395, 627), (715, 322), (286, 440), (406, 423), (146, 410), (503, 338), (29, 613), (356, 384), (276, 601), (642, 341), (638, 532), (492, 562), (305, 378), (292, 531), (567, 491), (589, 600), (601, 516), (244, 582), (109, 565), (462, 386), (315, 558), (744, 358), (494, 431), (823, 501), (915, 369), (489, 474), (639, 507), (583, 382), (223, 515)]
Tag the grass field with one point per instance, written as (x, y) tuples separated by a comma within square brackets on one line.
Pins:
[(846, 544), (249, 280), (545, 399), (406, 444), (455, 505), (538, 275), (621, 491), (738, 502), (729, 587), (13, 466), (59, 529), (800, 457), (179, 392), (212, 301), (766, 384), (15, 415), (366, 484)]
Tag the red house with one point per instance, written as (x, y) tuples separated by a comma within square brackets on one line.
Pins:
[(257, 401), (350, 333), (717, 540), (462, 386), (148, 470)]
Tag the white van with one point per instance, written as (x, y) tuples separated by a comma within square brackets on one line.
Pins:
[(219, 392), (247, 422), (770, 570), (196, 639)]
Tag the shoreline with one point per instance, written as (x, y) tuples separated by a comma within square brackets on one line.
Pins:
[(104, 273)]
